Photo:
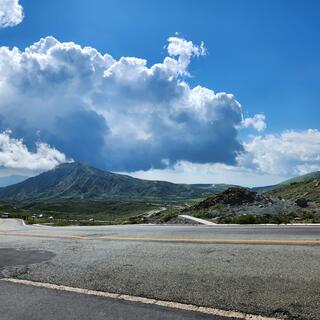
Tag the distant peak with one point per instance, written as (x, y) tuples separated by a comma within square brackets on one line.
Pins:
[(79, 166)]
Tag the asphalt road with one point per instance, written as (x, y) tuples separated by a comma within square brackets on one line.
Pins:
[(266, 270), (29, 303)]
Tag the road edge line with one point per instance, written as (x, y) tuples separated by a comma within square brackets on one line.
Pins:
[(131, 298)]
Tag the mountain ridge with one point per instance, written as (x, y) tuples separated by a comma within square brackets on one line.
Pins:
[(78, 180)]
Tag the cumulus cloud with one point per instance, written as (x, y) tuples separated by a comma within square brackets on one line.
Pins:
[(14, 154), (11, 13), (124, 115), (257, 122), (287, 154), (117, 114)]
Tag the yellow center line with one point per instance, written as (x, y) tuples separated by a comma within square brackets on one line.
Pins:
[(42, 235), (223, 241), (157, 239)]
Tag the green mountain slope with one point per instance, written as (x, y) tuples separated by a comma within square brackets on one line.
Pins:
[(308, 189), (303, 178), (80, 181)]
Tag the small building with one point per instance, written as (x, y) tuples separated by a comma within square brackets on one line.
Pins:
[(5, 215)]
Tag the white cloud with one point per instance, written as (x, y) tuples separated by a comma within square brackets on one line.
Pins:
[(184, 50), (124, 116), (11, 13), (288, 153), (116, 114), (210, 173), (267, 160), (14, 154), (257, 122)]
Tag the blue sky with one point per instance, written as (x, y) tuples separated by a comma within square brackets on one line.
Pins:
[(265, 53)]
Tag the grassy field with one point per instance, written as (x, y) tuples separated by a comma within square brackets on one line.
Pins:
[(79, 210)]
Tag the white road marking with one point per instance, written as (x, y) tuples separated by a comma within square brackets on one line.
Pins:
[(201, 221), (167, 304)]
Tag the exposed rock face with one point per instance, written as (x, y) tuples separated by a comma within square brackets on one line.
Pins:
[(297, 201), (231, 196), (302, 202)]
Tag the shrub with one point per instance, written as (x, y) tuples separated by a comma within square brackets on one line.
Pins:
[(307, 215), (168, 215)]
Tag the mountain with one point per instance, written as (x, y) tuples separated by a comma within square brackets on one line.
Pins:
[(308, 189), (9, 180), (302, 178), (77, 180)]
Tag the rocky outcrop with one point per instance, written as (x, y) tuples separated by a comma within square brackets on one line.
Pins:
[(302, 202), (231, 196)]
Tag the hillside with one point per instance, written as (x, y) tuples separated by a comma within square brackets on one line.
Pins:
[(237, 202), (303, 178), (293, 202), (79, 181), (298, 188)]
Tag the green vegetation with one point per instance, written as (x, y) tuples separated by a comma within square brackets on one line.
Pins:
[(62, 223), (169, 215), (307, 215), (270, 219), (304, 178), (201, 213), (78, 212), (253, 219), (309, 190), (78, 181), (75, 193), (193, 201), (30, 220), (86, 209)]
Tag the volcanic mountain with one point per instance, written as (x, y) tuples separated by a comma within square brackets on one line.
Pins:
[(77, 180)]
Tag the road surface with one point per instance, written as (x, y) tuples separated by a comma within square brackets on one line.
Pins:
[(272, 271)]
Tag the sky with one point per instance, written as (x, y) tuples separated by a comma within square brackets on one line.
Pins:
[(192, 92)]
